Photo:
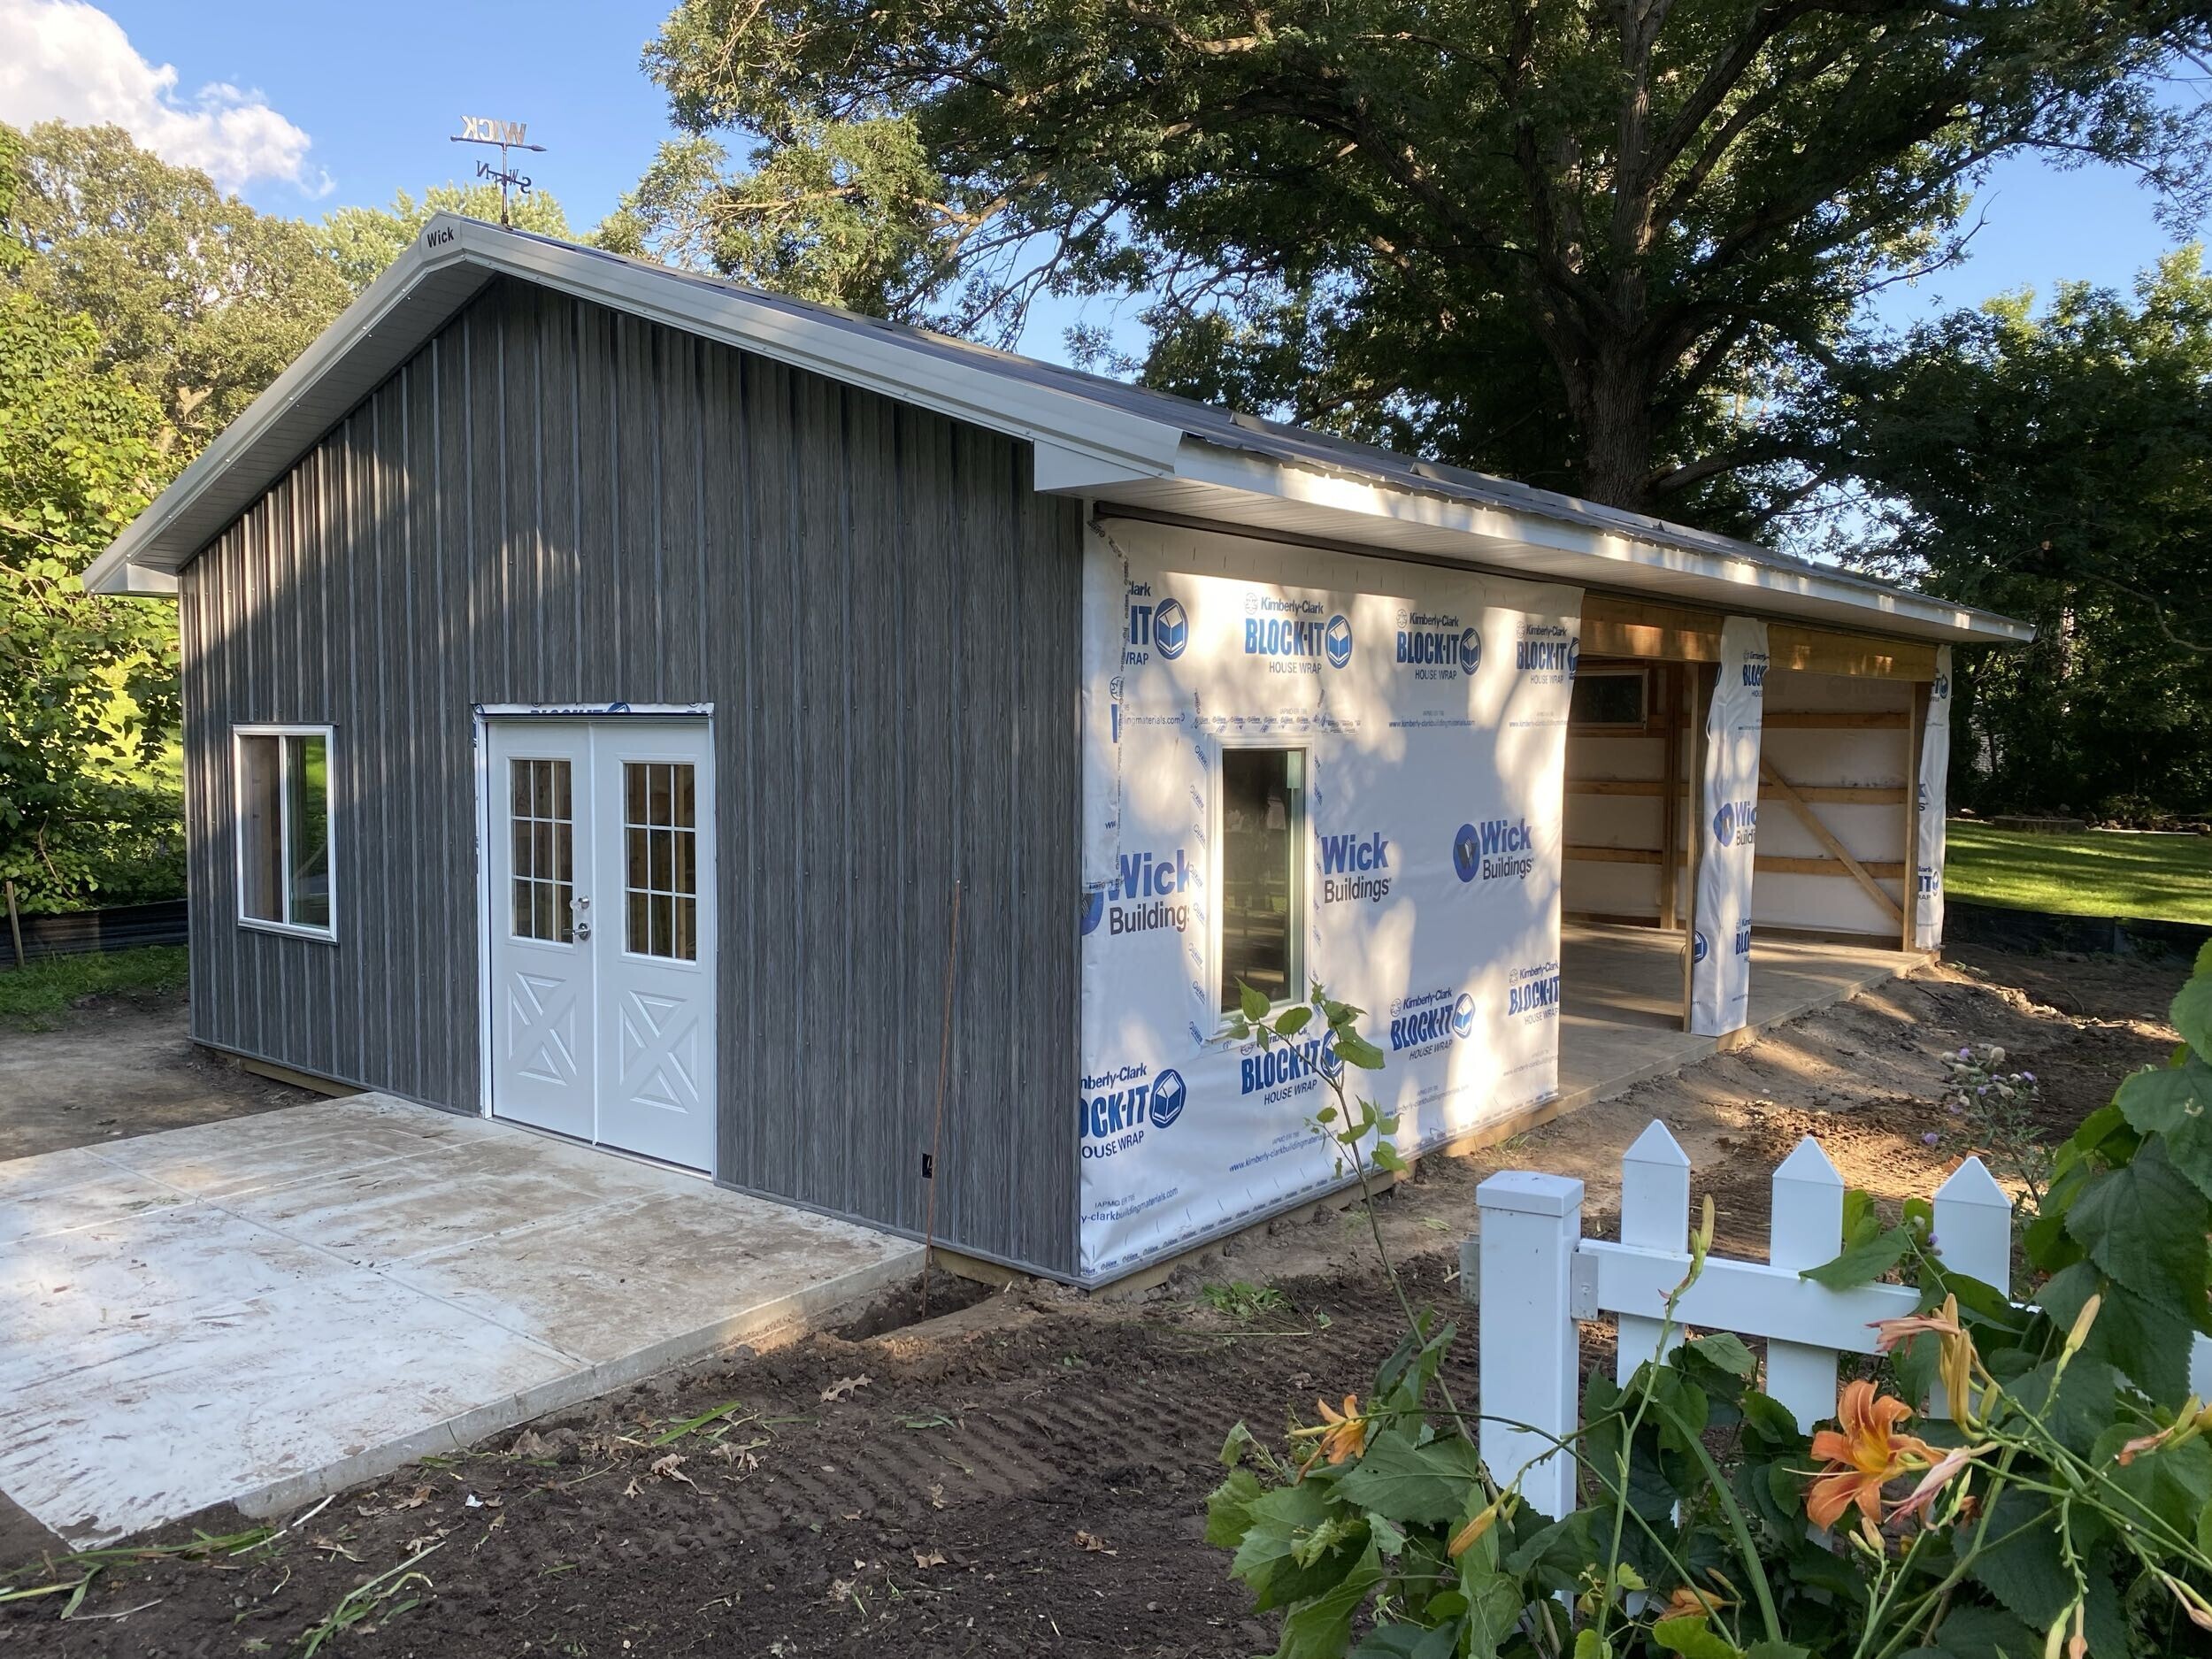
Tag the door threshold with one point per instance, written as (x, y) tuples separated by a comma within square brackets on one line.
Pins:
[(650, 1162)]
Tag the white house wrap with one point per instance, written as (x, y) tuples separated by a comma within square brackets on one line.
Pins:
[(1720, 982), (1935, 767), (1428, 710)]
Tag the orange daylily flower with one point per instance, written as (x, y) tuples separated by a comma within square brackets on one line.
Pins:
[(1861, 1455), (1346, 1433)]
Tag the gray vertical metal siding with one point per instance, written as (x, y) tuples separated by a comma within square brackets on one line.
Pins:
[(554, 503)]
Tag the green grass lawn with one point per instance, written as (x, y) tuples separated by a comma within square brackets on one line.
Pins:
[(2105, 873), (36, 996)]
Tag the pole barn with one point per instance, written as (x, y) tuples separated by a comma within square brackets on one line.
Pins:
[(597, 678)]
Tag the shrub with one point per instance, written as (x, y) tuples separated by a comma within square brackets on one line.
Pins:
[(2058, 1501)]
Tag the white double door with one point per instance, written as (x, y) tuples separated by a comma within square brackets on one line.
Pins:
[(601, 951)]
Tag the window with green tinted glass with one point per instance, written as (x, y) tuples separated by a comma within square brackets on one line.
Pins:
[(1261, 830), (284, 851)]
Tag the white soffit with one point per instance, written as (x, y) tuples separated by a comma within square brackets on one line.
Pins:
[(1094, 437)]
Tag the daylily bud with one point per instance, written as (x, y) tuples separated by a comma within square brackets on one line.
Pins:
[(2083, 1320)]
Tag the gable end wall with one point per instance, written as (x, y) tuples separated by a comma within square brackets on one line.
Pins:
[(554, 502)]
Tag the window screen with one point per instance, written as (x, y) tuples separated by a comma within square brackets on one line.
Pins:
[(284, 865), (1263, 870), (1608, 697)]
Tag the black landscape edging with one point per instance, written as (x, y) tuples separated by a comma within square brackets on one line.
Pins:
[(81, 933), (1966, 923)]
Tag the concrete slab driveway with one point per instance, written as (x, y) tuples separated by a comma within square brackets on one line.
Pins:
[(265, 1309)]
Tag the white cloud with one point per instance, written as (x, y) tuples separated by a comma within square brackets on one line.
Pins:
[(64, 60)]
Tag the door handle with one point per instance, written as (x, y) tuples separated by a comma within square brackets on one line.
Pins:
[(580, 924)]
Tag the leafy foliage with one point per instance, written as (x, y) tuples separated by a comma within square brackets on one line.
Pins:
[(1562, 242), (361, 241), (2057, 466), (140, 309), (2062, 1498), (88, 687), (196, 299)]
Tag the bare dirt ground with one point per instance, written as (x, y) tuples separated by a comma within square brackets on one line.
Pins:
[(118, 1066), (1026, 1473)]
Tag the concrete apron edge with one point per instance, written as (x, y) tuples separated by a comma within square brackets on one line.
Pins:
[(786, 1318)]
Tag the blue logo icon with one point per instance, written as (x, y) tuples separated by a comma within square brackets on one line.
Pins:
[(1941, 689), (1338, 640), (1467, 852), (1463, 1015), (1698, 947), (1093, 908), (1725, 824), (1169, 1097), (1470, 651), (1574, 656), (1171, 628)]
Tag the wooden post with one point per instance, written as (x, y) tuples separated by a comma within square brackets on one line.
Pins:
[(1701, 677), (1670, 680), (15, 924), (1908, 893), (1531, 1224)]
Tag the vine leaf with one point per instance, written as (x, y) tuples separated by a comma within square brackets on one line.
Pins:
[(2144, 1224)]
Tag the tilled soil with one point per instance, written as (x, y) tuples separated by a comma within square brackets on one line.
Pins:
[(1027, 1473), (1025, 1476)]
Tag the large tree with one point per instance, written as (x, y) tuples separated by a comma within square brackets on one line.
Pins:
[(140, 309), (361, 241), (195, 297), (87, 686), (1582, 244), (2054, 464)]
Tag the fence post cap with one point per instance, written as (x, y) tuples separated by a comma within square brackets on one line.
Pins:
[(1657, 1144), (1972, 1183), (1809, 1165), (1528, 1193)]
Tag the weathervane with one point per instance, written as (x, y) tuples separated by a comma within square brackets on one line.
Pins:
[(481, 129)]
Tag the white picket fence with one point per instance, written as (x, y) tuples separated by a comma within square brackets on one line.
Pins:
[(1535, 1276)]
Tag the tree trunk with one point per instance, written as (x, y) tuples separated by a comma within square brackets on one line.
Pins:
[(1615, 422)]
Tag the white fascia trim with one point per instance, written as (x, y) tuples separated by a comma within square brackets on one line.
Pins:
[(108, 574), (1239, 469), (1117, 443)]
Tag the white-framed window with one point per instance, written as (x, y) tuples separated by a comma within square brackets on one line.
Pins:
[(1260, 863), (1616, 697), (285, 842)]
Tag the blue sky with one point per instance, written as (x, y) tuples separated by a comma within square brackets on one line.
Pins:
[(316, 106)]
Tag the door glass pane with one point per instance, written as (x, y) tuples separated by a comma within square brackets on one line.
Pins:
[(545, 851), (1263, 820), (307, 775), (660, 859)]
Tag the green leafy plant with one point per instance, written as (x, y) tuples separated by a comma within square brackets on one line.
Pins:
[(1241, 1301), (2056, 1499)]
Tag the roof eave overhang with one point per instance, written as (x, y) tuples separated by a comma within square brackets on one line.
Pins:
[(1257, 493)]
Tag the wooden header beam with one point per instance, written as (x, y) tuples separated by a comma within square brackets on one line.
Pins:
[(1679, 634)]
